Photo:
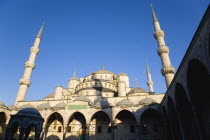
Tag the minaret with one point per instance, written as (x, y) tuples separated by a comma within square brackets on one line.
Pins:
[(163, 51), (149, 78), (29, 66)]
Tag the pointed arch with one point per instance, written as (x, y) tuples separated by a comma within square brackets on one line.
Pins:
[(100, 125), (186, 115), (150, 122), (198, 80), (173, 120), (125, 125), (54, 125), (76, 126), (167, 128)]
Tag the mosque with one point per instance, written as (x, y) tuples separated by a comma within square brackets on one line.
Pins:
[(103, 106)]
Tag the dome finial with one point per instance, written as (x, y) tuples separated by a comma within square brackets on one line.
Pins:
[(136, 82), (102, 66), (74, 73), (153, 14)]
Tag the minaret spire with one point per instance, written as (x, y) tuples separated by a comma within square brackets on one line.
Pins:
[(154, 15), (29, 66), (39, 35), (102, 66), (149, 78), (163, 51), (75, 76)]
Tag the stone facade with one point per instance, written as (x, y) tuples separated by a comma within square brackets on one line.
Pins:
[(102, 105)]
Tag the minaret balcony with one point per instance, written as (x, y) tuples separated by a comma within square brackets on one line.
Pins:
[(158, 33), (25, 82), (163, 49), (29, 65), (33, 49), (167, 70)]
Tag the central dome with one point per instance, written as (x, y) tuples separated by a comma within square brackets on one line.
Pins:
[(103, 72)]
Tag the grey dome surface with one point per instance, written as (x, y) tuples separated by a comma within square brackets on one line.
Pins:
[(2, 103), (137, 90), (103, 72), (43, 106), (51, 95), (60, 105), (124, 102), (26, 106), (147, 101), (122, 74), (83, 99), (12, 107), (102, 104), (29, 112)]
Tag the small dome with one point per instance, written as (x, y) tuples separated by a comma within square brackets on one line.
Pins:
[(103, 72), (147, 101), (102, 104), (51, 95), (12, 107), (124, 102), (60, 105), (43, 106), (122, 74), (26, 106), (83, 99), (29, 112), (2, 103), (137, 90)]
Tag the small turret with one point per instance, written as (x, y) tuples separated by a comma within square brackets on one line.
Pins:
[(58, 93), (124, 77), (73, 82), (121, 89)]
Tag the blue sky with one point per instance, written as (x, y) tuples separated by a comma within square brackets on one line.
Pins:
[(84, 34)]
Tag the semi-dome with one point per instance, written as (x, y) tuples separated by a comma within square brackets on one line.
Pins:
[(124, 102), (2, 103), (12, 107), (29, 112), (147, 101), (102, 104), (60, 105), (26, 106), (122, 74), (103, 72), (51, 95), (83, 99), (137, 90), (43, 106)]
